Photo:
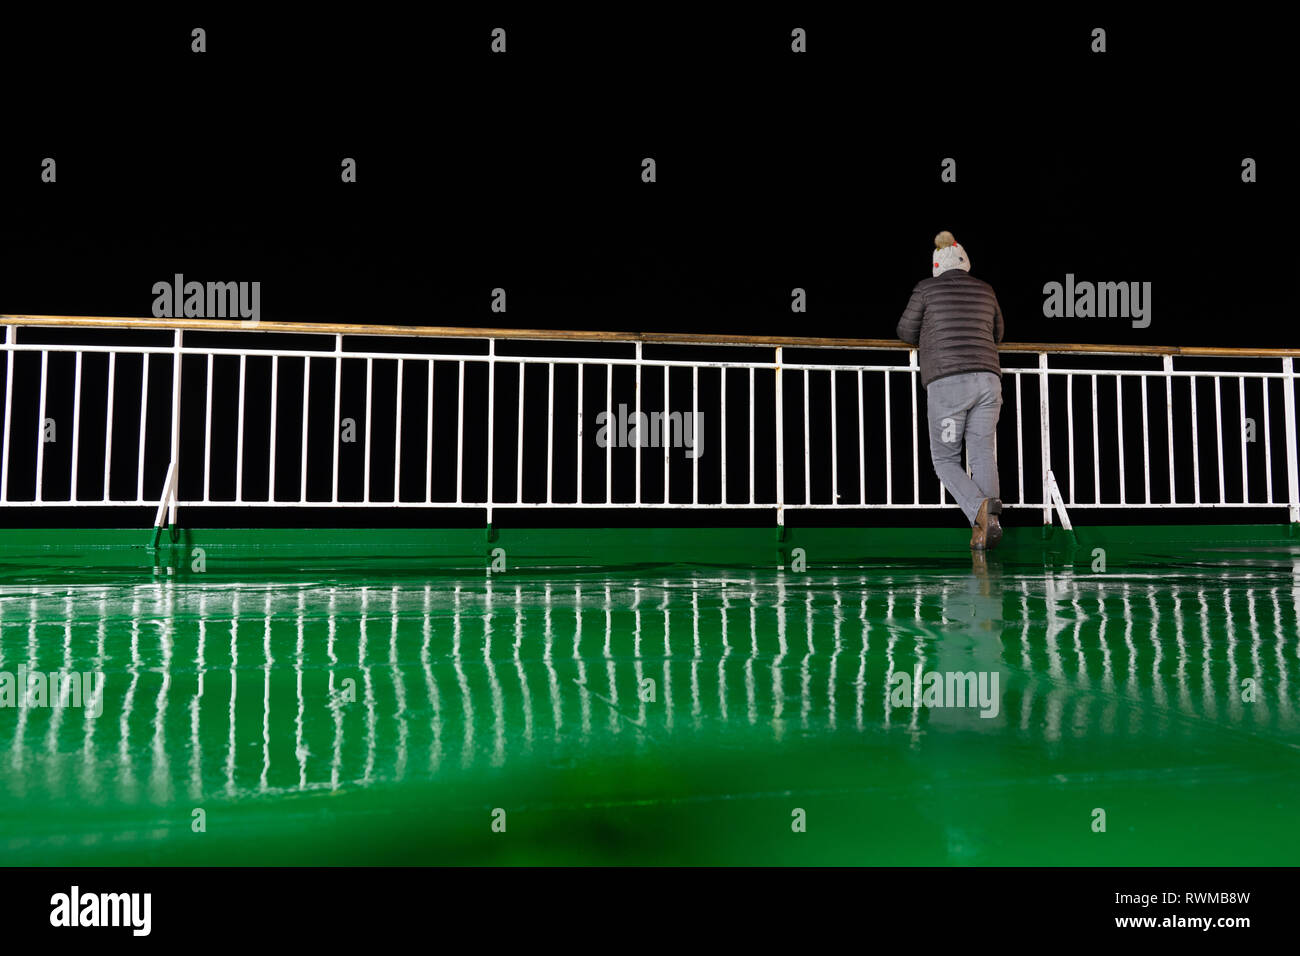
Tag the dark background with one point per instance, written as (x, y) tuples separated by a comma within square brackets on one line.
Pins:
[(775, 170)]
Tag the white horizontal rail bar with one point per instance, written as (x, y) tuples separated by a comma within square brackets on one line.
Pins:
[(584, 360), (560, 505)]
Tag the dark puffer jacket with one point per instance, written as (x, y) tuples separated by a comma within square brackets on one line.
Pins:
[(956, 320)]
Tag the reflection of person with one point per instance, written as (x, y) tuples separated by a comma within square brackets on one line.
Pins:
[(957, 323)]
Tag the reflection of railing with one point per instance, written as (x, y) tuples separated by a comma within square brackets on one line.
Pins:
[(773, 433), (236, 691)]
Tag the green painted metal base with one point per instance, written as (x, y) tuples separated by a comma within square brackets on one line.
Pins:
[(419, 549)]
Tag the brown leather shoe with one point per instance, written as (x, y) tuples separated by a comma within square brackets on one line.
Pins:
[(977, 537), (987, 521)]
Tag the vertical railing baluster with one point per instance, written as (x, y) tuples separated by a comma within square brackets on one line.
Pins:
[(144, 404), (550, 430), (428, 440), (1146, 438), (609, 433), (639, 438), (207, 436), (695, 434), (1218, 436), (780, 440), (239, 443), (173, 491), (1119, 422), (460, 431), (1020, 445), (722, 429), (807, 451), (609, 427), (365, 473), (578, 495), (665, 438), (916, 456), (10, 337), (76, 427), (835, 448), (306, 412), (1069, 429), (1169, 421), (1196, 446), (491, 426), (275, 415), (1045, 426), (751, 435), (397, 436), (1245, 480), (108, 423), (1096, 450), (1268, 442), (338, 436), (889, 444), (40, 428), (519, 453), (862, 445)]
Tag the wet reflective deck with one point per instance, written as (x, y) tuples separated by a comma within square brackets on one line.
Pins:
[(650, 717)]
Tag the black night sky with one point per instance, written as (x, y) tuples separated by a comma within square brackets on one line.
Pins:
[(775, 170)]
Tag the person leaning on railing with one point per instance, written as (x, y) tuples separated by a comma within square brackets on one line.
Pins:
[(957, 322)]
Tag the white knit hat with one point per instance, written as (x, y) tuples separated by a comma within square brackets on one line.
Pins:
[(949, 254)]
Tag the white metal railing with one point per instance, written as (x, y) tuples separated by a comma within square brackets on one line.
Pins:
[(849, 427)]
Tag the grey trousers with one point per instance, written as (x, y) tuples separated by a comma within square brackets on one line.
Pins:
[(966, 406)]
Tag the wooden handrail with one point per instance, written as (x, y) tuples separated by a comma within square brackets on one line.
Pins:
[(664, 338)]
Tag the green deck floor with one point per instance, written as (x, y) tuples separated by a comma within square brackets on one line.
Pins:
[(328, 702)]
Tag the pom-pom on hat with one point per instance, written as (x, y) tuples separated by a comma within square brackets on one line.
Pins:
[(949, 254)]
